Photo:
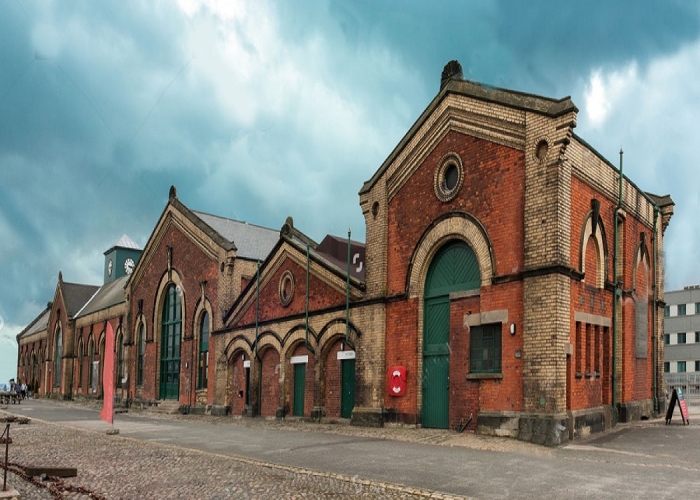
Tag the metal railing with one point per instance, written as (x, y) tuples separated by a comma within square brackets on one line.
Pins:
[(688, 382)]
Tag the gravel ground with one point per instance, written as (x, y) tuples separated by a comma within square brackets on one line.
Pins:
[(115, 467)]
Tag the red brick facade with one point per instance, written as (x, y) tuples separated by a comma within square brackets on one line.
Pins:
[(543, 337)]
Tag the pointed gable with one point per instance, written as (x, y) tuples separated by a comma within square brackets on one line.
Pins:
[(76, 295), (472, 108), (281, 290)]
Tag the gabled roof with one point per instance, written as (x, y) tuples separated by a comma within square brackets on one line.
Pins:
[(455, 84), (318, 253), (124, 242), (108, 295), (247, 240), (75, 296), (253, 242), (39, 324)]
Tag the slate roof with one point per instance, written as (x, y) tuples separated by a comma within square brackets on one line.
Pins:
[(252, 242), (76, 296), (124, 242), (108, 295), (661, 201), (40, 324)]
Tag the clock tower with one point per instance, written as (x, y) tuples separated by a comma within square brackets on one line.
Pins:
[(121, 259)]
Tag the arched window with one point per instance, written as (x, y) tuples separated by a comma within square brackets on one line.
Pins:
[(57, 360), (171, 332), (141, 351), (80, 363), (120, 360), (203, 351), (91, 358)]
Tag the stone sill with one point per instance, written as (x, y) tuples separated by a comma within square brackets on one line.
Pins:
[(484, 376)]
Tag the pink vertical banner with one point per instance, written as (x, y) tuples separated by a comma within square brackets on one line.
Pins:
[(107, 413)]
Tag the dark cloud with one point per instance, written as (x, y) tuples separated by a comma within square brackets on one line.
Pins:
[(281, 109)]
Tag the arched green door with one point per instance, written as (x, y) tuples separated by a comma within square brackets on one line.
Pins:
[(170, 345), (453, 269)]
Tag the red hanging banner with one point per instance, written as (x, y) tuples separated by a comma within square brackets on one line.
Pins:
[(107, 413)]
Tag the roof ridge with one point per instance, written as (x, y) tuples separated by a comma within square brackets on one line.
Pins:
[(198, 212)]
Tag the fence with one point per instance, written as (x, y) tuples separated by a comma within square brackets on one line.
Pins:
[(688, 382)]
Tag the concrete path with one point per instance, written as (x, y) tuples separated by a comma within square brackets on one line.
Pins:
[(645, 460)]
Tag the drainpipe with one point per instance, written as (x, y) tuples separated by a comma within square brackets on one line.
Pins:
[(257, 303), (654, 369), (347, 301), (616, 295), (308, 347)]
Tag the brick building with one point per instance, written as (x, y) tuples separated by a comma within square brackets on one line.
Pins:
[(291, 340), (520, 275), (192, 269), (511, 282), (62, 351)]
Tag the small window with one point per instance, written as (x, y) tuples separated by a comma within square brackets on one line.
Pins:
[(681, 367), (667, 311), (667, 338), (667, 367), (681, 309), (485, 349), (697, 366), (681, 338), (697, 337), (697, 308)]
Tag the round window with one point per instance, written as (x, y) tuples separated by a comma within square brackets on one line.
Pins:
[(286, 288), (449, 177)]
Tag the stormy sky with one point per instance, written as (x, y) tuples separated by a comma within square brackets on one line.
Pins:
[(257, 110)]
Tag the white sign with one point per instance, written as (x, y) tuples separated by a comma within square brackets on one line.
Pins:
[(297, 360), (246, 363), (346, 354)]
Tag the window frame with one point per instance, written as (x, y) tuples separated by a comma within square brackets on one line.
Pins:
[(141, 349), (58, 352), (203, 350), (681, 338), (486, 338)]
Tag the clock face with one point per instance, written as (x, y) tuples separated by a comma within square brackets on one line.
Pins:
[(129, 266), (109, 267)]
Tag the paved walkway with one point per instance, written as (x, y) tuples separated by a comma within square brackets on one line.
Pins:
[(174, 456)]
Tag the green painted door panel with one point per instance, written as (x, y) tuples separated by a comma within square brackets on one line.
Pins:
[(347, 382), (299, 384)]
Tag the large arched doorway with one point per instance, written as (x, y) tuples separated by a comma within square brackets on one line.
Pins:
[(170, 345), (454, 268)]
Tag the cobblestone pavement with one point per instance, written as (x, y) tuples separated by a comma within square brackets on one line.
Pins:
[(115, 467)]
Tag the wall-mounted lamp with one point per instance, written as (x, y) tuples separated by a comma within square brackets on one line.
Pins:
[(512, 328)]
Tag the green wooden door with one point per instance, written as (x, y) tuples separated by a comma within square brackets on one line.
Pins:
[(436, 363), (170, 345), (453, 269), (347, 383), (299, 384)]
